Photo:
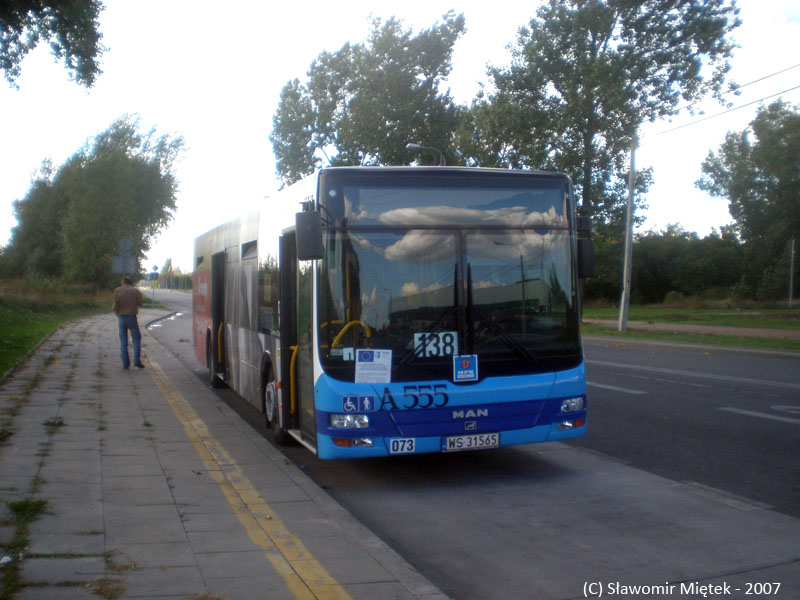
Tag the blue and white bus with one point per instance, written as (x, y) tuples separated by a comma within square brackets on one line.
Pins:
[(403, 310)]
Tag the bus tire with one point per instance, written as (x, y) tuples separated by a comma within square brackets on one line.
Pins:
[(271, 409)]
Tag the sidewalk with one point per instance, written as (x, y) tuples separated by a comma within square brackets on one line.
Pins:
[(156, 489)]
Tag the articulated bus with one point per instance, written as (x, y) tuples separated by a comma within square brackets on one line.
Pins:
[(376, 311)]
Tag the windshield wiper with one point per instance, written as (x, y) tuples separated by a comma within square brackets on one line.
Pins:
[(406, 358), (493, 327)]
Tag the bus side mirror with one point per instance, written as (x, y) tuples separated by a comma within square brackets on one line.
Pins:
[(585, 259), (308, 227)]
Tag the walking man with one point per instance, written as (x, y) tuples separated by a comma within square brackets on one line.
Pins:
[(127, 300)]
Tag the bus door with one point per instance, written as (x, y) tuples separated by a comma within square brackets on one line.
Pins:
[(297, 338), (216, 363)]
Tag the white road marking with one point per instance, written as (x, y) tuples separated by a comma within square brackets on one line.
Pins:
[(614, 388), (761, 415), (764, 382)]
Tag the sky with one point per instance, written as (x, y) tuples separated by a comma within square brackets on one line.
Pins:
[(212, 72)]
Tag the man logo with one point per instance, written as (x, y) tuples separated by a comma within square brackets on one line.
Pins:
[(470, 414)]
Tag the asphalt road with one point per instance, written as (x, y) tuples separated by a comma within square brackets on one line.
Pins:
[(713, 435), (723, 418), (729, 419)]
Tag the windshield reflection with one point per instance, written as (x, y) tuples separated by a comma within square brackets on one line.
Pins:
[(492, 293), (434, 267)]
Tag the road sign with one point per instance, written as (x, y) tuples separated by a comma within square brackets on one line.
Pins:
[(123, 264)]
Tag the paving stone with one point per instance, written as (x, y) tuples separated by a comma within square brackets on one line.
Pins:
[(123, 481), (154, 555), (143, 524), (61, 570), (79, 519), (67, 543), (180, 582), (136, 491), (7, 533), (215, 565), (55, 593), (251, 587)]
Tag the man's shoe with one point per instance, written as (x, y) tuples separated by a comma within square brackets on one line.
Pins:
[(140, 365)]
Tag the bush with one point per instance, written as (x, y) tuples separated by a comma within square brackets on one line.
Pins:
[(715, 293), (48, 295), (674, 298)]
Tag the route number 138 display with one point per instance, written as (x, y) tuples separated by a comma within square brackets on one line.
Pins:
[(435, 343)]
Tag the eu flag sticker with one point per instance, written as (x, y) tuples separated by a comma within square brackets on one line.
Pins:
[(465, 367), (373, 366)]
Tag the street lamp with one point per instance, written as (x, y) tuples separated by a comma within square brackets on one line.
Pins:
[(626, 267), (418, 147)]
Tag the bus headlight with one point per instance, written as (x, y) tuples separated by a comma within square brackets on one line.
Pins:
[(349, 421), (572, 404)]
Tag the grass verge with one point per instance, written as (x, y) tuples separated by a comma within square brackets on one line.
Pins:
[(693, 338), (21, 329), (32, 310), (755, 316)]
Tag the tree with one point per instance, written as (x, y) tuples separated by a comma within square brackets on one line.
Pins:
[(293, 132), (72, 29), (585, 75), (124, 188), (677, 261), (119, 185), (364, 103), (758, 171), (37, 239), (671, 262)]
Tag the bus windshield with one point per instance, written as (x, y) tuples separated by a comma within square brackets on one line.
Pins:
[(432, 269)]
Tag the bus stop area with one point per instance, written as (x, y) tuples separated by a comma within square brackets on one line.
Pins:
[(143, 483), (154, 488)]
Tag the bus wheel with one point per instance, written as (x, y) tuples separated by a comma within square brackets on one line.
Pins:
[(273, 420)]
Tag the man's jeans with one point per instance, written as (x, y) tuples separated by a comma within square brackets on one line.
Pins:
[(129, 323)]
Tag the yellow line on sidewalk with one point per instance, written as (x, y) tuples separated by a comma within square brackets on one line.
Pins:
[(305, 576)]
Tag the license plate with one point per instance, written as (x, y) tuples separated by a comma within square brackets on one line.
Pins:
[(471, 442)]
